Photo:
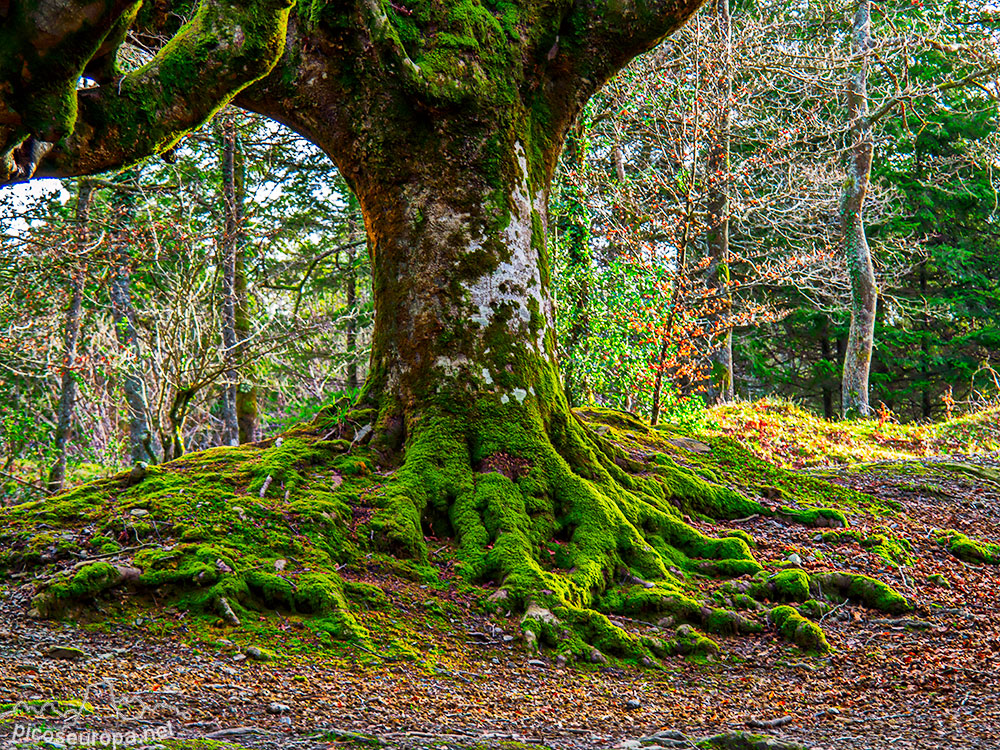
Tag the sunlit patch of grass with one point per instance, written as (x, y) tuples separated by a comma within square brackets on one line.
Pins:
[(785, 433)]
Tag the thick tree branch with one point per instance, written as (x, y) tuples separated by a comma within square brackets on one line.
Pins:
[(225, 47), (596, 39), (44, 49)]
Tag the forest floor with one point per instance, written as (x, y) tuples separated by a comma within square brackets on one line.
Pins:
[(926, 680)]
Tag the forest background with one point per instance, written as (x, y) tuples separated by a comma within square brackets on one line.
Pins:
[(698, 231)]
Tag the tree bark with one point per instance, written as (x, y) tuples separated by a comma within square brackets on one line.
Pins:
[(864, 291), (143, 443), (232, 221), (718, 177), (351, 299), (450, 147), (247, 393), (67, 399), (463, 394), (239, 399)]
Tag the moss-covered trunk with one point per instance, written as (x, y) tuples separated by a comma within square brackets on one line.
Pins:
[(463, 319)]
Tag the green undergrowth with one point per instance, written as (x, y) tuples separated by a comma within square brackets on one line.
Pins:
[(304, 543)]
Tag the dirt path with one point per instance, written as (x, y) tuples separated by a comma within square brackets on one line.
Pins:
[(924, 681)]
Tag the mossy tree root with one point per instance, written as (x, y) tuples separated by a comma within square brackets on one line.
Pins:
[(564, 523), (969, 550)]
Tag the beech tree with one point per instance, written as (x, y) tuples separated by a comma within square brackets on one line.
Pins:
[(446, 119)]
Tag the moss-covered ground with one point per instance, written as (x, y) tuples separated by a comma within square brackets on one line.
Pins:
[(283, 542), (868, 595)]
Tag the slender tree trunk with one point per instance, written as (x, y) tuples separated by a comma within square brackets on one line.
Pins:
[(67, 399), (682, 247), (864, 292), (720, 71), (247, 393), (575, 231), (239, 402), (143, 443), (926, 406), (827, 355), (230, 242), (351, 330)]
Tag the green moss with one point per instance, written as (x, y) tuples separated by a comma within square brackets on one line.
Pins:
[(868, 591), (366, 594), (790, 586), (688, 641), (804, 633), (969, 550), (88, 582), (740, 534), (813, 516), (813, 609)]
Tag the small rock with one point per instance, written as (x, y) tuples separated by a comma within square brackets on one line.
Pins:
[(536, 663), (494, 660), (633, 704), (65, 652), (258, 654), (833, 710), (596, 657), (239, 657), (139, 512), (794, 559), (561, 660), (692, 446), (225, 643), (507, 638), (278, 709), (279, 564), (665, 622)]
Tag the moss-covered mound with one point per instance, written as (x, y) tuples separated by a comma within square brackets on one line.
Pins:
[(292, 525), (969, 550)]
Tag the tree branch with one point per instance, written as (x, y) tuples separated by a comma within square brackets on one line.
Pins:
[(228, 45)]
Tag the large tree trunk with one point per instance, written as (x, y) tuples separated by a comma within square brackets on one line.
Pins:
[(463, 395), (67, 399), (464, 390), (720, 70), (451, 156), (864, 291)]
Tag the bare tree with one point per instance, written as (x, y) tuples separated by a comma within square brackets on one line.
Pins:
[(68, 389), (857, 253)]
